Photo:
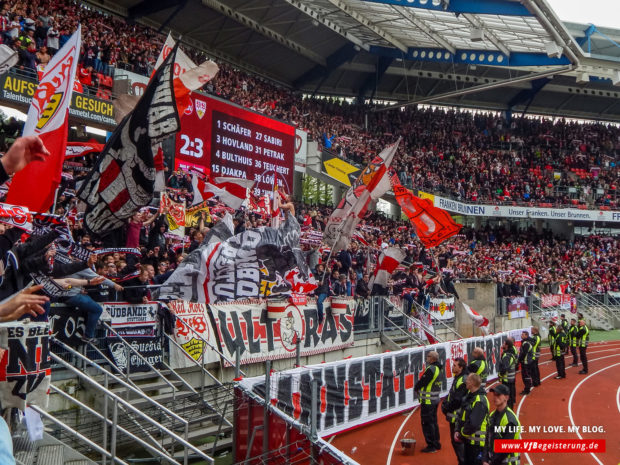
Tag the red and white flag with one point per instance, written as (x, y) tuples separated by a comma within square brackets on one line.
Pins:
[(230, 191), (35, 186), (478, 320), (388, 262), (371, 184), (188, 76)]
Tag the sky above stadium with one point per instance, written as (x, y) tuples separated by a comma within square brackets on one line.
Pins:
[(602, 13)]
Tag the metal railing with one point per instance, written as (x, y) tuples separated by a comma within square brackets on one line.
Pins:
[(157, 451), (420, 308), (163, 430), (407, 319), (78, 436)]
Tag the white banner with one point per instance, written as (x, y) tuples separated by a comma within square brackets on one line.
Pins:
[(301, 150), (192, 341), (442, 308), (504, 211), (357, 391), (132, 320), (245, 325)]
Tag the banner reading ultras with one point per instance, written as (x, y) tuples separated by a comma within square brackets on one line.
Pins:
[(232, 141), (19, 89)]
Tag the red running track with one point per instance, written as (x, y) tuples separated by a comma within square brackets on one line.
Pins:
[(591, 400)]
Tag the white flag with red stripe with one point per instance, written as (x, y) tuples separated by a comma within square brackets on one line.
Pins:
[(48, 117), (230, 191), (388, 261), (478, 320)]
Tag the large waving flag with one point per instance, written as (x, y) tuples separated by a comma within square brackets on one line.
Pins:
[(372, 183), (230, 191), (35, 186), (256, 263), (388, 261), (432, 224), (123, 179), (478, 320)]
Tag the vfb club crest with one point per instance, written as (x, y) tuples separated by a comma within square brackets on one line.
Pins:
[(201, 108)]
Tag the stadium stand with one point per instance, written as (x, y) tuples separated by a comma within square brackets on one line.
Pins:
[(169, 407)]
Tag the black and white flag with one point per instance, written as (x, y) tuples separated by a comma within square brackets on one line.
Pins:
[(123, 179)]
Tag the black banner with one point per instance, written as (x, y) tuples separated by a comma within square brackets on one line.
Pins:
[(20, 89), (150, 348), (68, 325)]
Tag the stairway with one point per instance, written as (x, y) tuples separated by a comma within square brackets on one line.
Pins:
[(205, 413), (47, 451)]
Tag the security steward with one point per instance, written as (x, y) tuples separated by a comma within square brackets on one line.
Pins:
[(572, 341), (551, 338), (584, 339), (536, 340), (561, 342), (503, 425), (479, 365), (508, 369), (428, 389), (472, 424), (564, 324), (526, 357), (452, 404)]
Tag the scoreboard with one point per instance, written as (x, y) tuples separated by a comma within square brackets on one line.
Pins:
[(229, 140)]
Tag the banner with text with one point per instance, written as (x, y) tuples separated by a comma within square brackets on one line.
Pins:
[(192, 335), (24, 364), (245, 325), (20, 89), (504, 211), (360, 390), (563, 301), (136, 320)]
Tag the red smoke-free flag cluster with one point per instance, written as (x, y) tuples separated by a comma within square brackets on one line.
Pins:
[(48, 116), (433, 225)]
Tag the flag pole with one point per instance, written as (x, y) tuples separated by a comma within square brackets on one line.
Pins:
[(55, 199)]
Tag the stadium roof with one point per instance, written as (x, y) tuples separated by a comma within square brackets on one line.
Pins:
[(495, 54)]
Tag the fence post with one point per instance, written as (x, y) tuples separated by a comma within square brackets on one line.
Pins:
[(114, 424), (297, 350), (104, 458), (237, 361), (266, 408), (313, 414)]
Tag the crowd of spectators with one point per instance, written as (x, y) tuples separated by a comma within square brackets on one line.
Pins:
[(473, 157)]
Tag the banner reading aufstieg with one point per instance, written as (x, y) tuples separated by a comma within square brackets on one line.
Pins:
[(357, 391)]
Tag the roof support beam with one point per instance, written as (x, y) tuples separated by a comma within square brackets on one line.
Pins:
[(369, 25), (480, 88), (148, 7), (486, 7), (478, 23), (325, 21), (425, 28), (372, 81), (256, 26), (340, 56)]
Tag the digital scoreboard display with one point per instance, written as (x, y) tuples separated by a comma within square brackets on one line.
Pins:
[(231, 141)]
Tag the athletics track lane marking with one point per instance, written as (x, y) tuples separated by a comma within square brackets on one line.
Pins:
[(389, 458), (618, 399), (570, 402), (527, 456)]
